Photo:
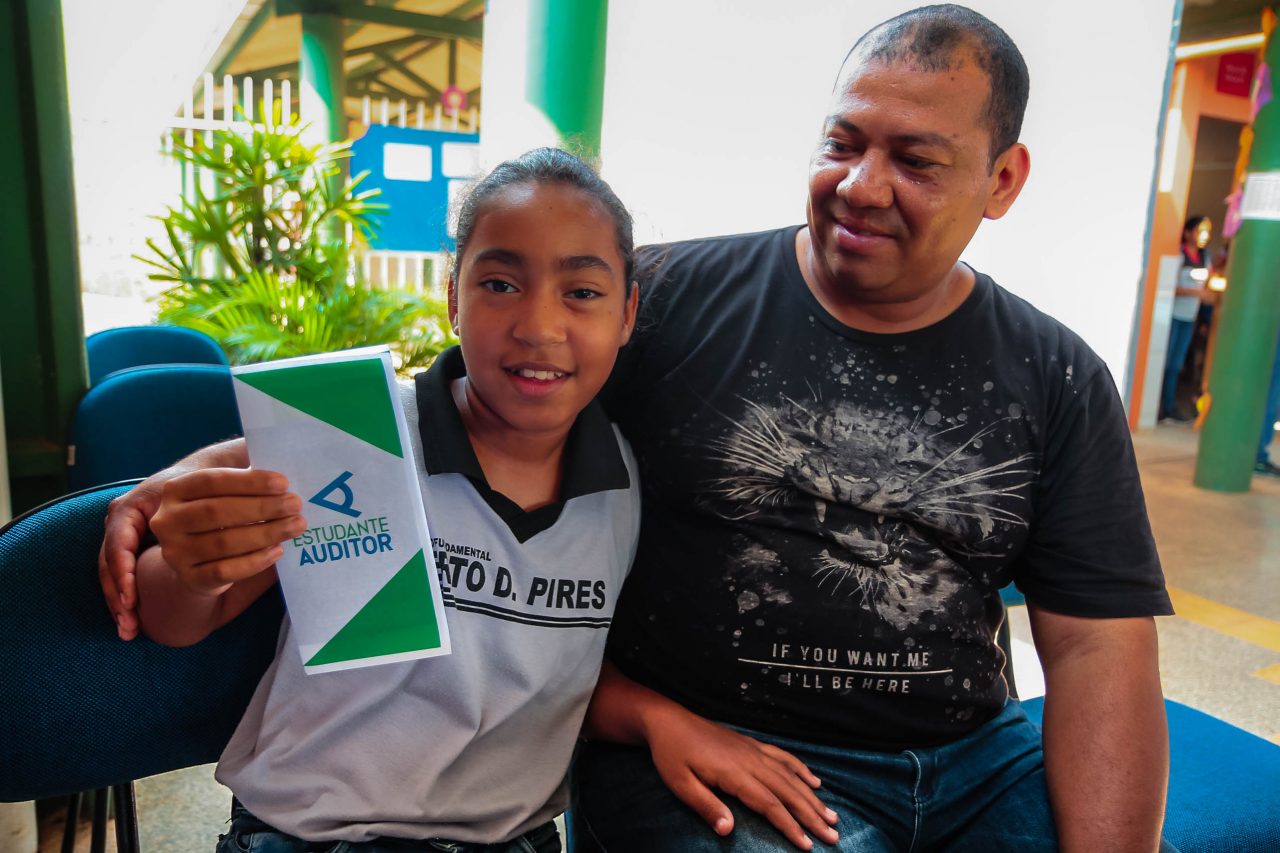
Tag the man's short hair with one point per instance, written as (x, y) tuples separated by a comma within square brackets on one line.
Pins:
[(937, 38)]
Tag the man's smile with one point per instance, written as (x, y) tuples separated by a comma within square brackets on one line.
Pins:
[(861, 238)]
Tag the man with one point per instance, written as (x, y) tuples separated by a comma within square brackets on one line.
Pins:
[(850, 442)]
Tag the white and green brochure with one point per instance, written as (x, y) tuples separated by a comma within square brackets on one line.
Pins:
[(358, 583)]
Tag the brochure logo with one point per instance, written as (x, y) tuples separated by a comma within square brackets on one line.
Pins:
[(324, 497)]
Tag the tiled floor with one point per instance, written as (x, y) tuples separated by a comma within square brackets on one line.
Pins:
[(1221, 654)]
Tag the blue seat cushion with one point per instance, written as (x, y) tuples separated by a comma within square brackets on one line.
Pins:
[(83, 709), (139, 420), (1224, 784)]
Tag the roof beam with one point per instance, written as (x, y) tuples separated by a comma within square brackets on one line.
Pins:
[(362, 70), (427, 25), (405, 71), (354, 10), (467, 9), (388, 90), (375, 65), (260, 17), (352, 29), (392, 44), (288, 69)]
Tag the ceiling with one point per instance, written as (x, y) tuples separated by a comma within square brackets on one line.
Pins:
[(1203, 20), (382, 60), (400, 64)]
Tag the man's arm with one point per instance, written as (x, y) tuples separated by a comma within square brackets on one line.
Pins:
[(1106, 741), (694, 756), (126, 525)]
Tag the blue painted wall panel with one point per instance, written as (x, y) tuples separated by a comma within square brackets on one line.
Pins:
[(417, 190)]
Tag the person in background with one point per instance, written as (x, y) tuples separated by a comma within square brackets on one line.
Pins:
[(1188, 296), (1263, 464)]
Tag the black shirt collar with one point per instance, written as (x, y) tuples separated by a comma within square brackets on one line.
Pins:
[(592, 460)]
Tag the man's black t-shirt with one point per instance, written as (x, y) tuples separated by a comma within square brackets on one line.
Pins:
[(829, 514)]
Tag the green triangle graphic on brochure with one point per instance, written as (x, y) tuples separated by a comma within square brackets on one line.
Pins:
[(349, 395), (398, 619)]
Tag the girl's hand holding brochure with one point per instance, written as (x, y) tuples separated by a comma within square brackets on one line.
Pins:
[(218, 532), (224, 525)]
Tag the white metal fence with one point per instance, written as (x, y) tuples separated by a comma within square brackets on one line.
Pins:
[(416, 271)]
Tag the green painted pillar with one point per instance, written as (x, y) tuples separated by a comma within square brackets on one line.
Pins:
[(322, 79), (42, 363), (565, 73), (1250, 321), (321, 75)]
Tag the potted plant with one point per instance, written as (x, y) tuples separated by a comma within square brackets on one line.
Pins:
[(261, 253)]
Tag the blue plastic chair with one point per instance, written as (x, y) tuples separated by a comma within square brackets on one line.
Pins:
[(1224, 783), (140, 420), (133, 346), (84, 710)]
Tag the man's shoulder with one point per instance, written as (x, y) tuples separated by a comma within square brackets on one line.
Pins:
[(1022, 324), (663, 261), (1040, 360), (712, 243)]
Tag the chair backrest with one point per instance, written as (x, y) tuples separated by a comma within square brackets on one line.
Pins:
[(82, 709), (1224, 783), (133, 346), (140, 420)]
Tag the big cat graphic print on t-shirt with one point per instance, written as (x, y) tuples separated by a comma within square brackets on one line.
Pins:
[(905, 491), (829, 515), (904, 471)]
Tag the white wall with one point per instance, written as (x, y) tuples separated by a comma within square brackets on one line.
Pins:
[(712, 108), (130, 65)]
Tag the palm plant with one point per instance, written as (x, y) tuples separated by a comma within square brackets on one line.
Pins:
[(261, 261)]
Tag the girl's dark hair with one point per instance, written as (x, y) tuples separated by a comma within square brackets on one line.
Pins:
[(548, 166), (1193, 222)]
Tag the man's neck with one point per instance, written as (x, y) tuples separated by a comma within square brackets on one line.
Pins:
[(890, 317)]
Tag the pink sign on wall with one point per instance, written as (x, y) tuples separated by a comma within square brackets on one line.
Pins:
[(1235, 73)]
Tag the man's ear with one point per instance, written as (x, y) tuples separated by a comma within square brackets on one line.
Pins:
[(453, 303), (1008, 176)]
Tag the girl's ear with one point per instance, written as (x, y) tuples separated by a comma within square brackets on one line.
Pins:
[(453, 303), (629, 313)]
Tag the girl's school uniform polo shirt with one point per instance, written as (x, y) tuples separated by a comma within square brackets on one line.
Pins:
[(472, 746)]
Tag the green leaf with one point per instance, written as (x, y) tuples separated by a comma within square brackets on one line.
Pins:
[(255, 263)]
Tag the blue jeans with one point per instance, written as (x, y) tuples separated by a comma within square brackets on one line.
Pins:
[(247, 834), (1180, 332), (983, 793), (1272, 411)]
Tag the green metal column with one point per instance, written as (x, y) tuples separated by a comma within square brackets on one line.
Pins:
[(321, 75), (323, 82), (42, 365), (1250, 321), (565, 71)]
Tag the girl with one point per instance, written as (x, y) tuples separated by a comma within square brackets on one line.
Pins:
[(521, 472)]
